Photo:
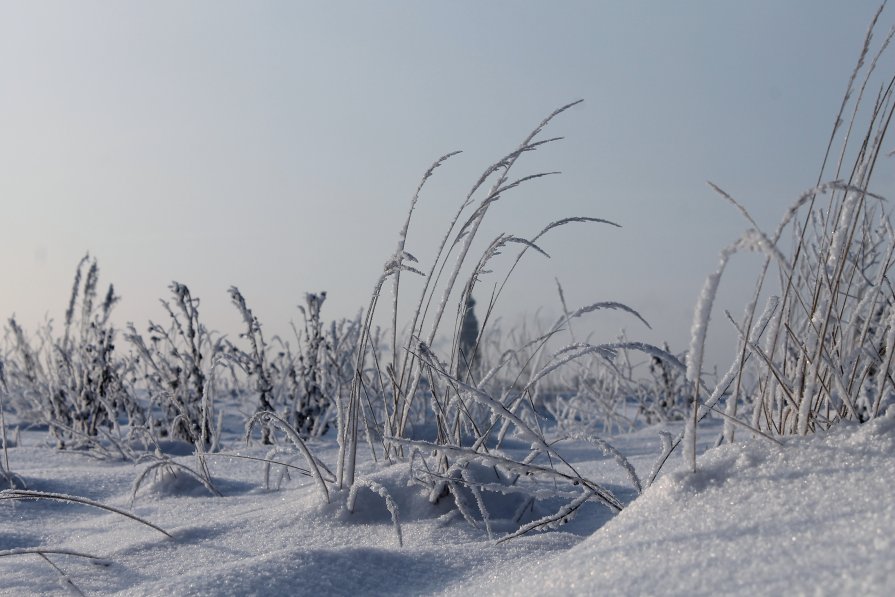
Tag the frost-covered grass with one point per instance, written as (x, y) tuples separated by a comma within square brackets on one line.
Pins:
[(438, 395), (821, 349), (438, 449)]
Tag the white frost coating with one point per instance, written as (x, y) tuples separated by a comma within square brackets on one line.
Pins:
[(882, 374), (667, 447), (689, 440), (817, 319), (476, 491), (596, 307), (552, 521), (838, 246), (701, 315), (806, 406), (25, 494), (470, 228), (580, 349), (492, 459), (609, 450), (803, 199), (773, 330), (698, 331), (385, 495), (401, 253), (462, 504), (757, 329), (483, 398), (48, 550), (271, 418)]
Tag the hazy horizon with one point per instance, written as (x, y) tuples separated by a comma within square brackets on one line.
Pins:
[(276, 146)]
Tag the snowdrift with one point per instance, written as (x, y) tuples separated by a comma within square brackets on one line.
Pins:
[(814, 517)]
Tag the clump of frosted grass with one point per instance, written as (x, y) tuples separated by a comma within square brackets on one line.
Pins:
[(474, 410), (74, 383), (6, 474), (822, 352), (344, 374), (173, 363)]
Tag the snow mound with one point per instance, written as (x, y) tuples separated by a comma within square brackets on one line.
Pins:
[(168, 481), (816, 516)]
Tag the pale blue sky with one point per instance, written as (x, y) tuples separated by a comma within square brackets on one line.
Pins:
[(276, 145)]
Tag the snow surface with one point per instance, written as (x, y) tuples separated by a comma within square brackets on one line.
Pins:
[(816, 516)]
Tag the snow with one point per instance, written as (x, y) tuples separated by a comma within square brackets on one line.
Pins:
[(815, 516)]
